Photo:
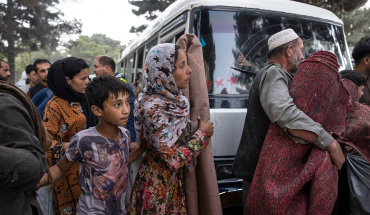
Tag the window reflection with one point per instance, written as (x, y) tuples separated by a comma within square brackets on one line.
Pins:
[(150, 45), (235, 46), (130, 69), (140, 67)]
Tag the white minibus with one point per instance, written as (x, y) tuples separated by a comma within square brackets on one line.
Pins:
[(234, 36)]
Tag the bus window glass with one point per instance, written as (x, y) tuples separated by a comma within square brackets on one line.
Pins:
[(140, 67), (177, 36), (170, 40), (130, 69), (121, 67), (235, 46), (150, 45)]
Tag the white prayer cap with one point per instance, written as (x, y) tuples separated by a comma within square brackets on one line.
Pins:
[(281, 38)]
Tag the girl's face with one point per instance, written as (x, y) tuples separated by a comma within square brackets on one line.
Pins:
[(79, 81), (182, 71)]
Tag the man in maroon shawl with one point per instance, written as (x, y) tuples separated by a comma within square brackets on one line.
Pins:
[(296, 178)]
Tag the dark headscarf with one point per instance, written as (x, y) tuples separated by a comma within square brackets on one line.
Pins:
[(162, 109), (58, 84)]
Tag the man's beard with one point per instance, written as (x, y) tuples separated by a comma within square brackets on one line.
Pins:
[(2, 78), (294, 63)]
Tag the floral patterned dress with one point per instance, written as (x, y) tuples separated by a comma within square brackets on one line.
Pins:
[(159, 187)]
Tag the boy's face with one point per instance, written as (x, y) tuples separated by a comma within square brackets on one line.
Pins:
[(116, 110), (360, 92)]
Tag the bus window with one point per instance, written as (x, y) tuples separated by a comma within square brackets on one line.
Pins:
[(121, 67), (170, 40), (124, 69), (140, 67), (130, 69), (177, 36), (150, 45), (235, 45)]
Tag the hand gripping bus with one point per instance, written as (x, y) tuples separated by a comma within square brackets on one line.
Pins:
[(234, 37)]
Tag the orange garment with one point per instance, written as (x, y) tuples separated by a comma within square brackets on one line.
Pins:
[(63, 121)]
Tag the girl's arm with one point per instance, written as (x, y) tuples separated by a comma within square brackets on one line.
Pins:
[(177, 156), (136, 154)]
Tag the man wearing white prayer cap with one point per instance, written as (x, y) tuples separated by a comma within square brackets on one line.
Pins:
[(269, 101)]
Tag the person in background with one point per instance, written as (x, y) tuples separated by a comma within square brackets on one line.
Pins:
[(32, 76), (66, 114), (361, 55), (137, 87), (269, 101), (41, 99), (23, 162), (23, 81), (41, 67), (138, 77), (105, 65), (102, 150), (4, 70), (355, 189), (357, 78)]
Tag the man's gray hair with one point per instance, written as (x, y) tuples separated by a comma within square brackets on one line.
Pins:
[(278, 51)]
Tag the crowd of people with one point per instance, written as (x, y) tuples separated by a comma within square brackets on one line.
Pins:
[(93, 122), (303, 118), (68, 143)]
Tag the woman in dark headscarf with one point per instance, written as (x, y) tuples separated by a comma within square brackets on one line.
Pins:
[(66, 114)]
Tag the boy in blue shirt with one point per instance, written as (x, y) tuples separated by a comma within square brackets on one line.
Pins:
[(103, 150)]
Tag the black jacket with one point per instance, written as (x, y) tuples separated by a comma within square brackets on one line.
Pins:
[(22, 161), (255, 129)]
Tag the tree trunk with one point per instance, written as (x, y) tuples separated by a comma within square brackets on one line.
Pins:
[(10, 38)]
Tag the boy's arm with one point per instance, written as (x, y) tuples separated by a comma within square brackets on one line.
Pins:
[(57, 171)]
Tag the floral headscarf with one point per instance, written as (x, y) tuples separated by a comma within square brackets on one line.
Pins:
[(163, 109)]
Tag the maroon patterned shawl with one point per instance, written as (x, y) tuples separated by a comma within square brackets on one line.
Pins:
[(293, 178), (357, 131)]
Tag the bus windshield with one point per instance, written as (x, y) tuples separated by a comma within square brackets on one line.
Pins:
[(235, 45)]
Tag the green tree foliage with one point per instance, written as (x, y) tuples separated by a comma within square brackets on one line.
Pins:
[(84, 47), (88, 48), (336, 6), (31, 25), (138, 29), (148, 8), (25, 58), (356, 25)]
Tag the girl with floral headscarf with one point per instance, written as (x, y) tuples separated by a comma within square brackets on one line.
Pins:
[(161, 114)]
